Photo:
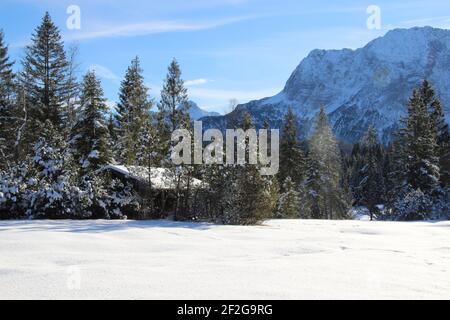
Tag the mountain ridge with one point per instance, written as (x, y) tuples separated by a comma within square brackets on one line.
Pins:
[(362, 87), (196, 113)]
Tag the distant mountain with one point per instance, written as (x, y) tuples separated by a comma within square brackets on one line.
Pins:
[(197, 113), (367, 86)]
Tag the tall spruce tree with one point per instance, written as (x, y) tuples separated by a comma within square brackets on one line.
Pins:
[(441, 128), (174, 99), (419, 152), (45, 74), (90, 134), (326, 198), (396, 180), (371, 186), (271, 182), (54, 173), (72, 91), (246, 199), (289, 201), (133, 113), (8, 122), (292, 158), (148, 156), (6, 75), (417, 158)]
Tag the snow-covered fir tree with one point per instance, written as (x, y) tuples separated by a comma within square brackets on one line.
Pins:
[(45, 76), (149, 156), (54, 180), (174, 106), (271, 182), (172, 115), (418, 154), (246, 197), (292, 158), (419, 146), (289, 202), (133, 113), (440, 125), (371, 187), (90, 134), (8, 121), (107, 197), (414, 205), (72, 91), (45, 184), (326, 197)]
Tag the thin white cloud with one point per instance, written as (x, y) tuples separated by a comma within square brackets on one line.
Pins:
[(104, 72), (152, 27), (196, 82)]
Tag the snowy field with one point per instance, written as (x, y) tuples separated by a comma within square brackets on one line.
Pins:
[(278, 260)]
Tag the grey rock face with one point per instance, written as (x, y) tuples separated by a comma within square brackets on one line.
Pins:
[(359, 88)]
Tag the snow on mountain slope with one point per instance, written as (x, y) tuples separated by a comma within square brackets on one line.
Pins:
[(291, 259), (368, 86), (196, 112)]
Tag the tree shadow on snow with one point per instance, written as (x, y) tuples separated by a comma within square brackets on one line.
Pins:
[(97, 226)]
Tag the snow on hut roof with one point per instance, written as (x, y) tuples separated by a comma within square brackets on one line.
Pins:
[(161, 178)]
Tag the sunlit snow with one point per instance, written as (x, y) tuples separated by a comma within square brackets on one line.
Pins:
[(277, 260)]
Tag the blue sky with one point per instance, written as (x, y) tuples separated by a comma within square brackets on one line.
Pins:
[(228, 49)]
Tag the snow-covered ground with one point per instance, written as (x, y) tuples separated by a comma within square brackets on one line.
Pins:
[(278, 260)]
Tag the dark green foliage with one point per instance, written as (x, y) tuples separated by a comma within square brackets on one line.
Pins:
[(325, 195), (90, 134), (133, 113), (174, 99), (441, 129), (418, 158), (240, 194), (8, 120), (372, 186), (45, 74), (366, 176), (419, 146), (292, 158), (289, 202)]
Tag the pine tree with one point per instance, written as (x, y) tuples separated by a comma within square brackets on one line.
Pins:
[(54, 191), (6, 75), (72, 91), (45, 74), (441, 129), (8, 121), (292, 158), (210, 204), (133, 113), (419, 153), (174, 99), (112, 129), (289, 201), (246, 199), (371, 186), (354, 166), (148, 155), (173, 114), (414, 205), (90, 134), (326, 198), (271, 182)]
